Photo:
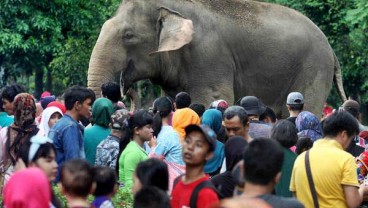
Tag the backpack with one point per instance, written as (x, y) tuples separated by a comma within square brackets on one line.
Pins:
[(197, 189)]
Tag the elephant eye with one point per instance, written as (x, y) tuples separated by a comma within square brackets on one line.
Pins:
[(128, 35)]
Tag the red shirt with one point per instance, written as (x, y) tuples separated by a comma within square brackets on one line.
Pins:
[(180, 196)]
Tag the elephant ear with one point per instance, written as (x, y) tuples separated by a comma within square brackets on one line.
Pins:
[(175, 31)]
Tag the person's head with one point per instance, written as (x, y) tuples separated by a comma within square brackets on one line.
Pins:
[(295, 101), (77, 178), (1, 104), (59, 105), (213, 119), (41, 153), (111, 90), (141, 125), (285, 133), (183, 118), (263, 160), (162, 109), (182, 100), (27, 188), (234, 149), (106, 181), (268, 116), (151, 197), (49, 117), (308, 125), (79, 99), (102, 109), (341, 126), (199, 144), (236, 121), (303, 144), (198, 108), (352, 107), (8, 94), (151, 172), (24, 110), (252, 105), (220, 105), (47, 100)]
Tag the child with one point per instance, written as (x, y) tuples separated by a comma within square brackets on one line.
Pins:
[(198, 147), (151, 197), (106, 187), (362, 162), (77, 182)]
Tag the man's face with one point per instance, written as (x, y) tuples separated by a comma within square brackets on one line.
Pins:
[(8, 107), (234, 127), (84, 109), (196, 149)]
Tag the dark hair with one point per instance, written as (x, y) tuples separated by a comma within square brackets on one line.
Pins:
[(296, 107), (111, 90), (268, 113), (163, 107), (9, 92), (1, 103), (77, 93), (338, 122), (198, 108), (151, 197), (303, 144), (182, 100), (105, 179), (77, 177), (239, 111), (153, 172), (42, 152), (285, 133), (263, 159), (139, 119), (353, 111)]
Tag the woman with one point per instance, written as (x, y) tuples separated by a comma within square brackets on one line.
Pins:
[(308, 125), (182, 118), (12, 138), (48, 118), (213, 119), (168, 147), (41, 153)]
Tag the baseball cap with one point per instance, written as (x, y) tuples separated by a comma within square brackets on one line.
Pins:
[(252, 105), (295, 98), (119, 119), (209, 134)]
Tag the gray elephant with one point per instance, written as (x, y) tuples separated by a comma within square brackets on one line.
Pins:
[(218, 49)]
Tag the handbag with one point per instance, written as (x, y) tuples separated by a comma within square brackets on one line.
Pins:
[(310, 180)]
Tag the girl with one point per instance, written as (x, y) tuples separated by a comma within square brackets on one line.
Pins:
[(49, 117)]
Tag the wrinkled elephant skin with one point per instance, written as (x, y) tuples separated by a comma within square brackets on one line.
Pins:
[(217, 50)]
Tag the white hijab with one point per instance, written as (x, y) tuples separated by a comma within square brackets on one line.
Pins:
[(46, 115)]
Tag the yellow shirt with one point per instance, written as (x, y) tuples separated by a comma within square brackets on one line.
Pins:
[(331, 168)]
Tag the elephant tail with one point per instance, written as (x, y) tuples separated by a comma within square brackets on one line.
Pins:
[(338, 79)]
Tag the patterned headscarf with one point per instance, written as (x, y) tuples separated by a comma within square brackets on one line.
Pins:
[(24, 110), (308, 125)]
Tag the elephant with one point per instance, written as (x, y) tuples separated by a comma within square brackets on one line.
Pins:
[(218, 49)]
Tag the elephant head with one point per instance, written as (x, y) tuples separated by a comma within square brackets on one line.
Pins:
[(130, 44)]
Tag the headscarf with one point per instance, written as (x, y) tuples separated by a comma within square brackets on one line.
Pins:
[(183, 118), (24, 126), (59, 105), (46, 115), (102, 110), (308, 125), (20, 191), (213, 119), (234, 148), (47, 100)]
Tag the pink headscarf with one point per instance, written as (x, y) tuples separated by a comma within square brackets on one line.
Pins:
[(21, 192)]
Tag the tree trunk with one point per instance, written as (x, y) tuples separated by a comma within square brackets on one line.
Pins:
[(38, 82), (49, 79)]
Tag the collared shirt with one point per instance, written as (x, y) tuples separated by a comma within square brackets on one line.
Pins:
[(67, 136)]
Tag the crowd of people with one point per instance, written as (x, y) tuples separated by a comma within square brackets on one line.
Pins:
[(178, 153)]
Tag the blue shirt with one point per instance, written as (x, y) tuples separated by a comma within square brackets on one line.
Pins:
[(67, 135), (5, 120)]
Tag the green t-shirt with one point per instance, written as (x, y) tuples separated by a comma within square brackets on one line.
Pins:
[(282, 188)]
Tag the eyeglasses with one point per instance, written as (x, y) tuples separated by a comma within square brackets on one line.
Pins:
[(36, 142)]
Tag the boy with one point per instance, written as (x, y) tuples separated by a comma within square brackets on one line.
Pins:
[(106, 187), (151, 197), (67, 133), (198, 147), (77, 182)]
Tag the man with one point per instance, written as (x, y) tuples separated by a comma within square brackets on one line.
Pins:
[(8, 94), (198, 147), (67, 133), (111, 91), (236, 122), (295, 105), (353, 107), (333, 170), (182, 100), (262, 161), (254, 108), (5, 119)]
